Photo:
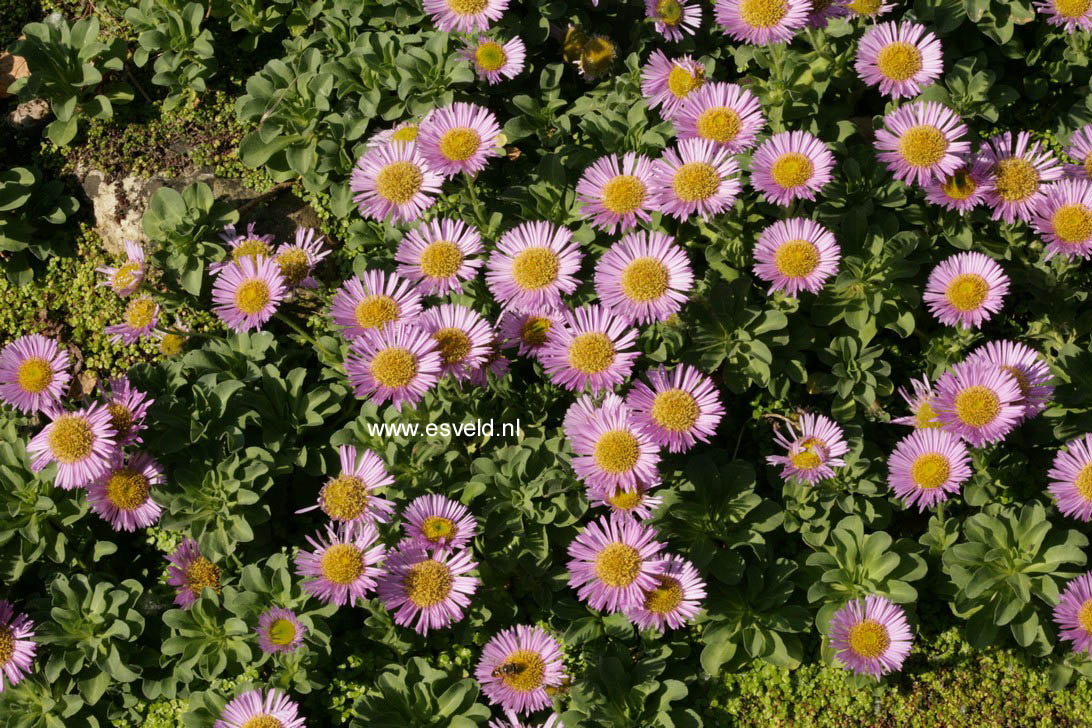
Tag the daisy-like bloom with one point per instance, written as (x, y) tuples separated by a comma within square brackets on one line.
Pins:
[(495, 363), (596, 57), (823, 11), (372, 301), (398, 363), (922, 415), (348, 497), (527, 331), (341, 567), (791, 165), (246, 245), (434, 522), (964, 189), (81, 443), (465, 16), (516, 667), (128, 408), (585, 410), (493, 60), (666, 82), (1026, 365), (427, 591), (139, 319), (966, 290), (190, 573), (1080, 148), (674, 601), (762, 22), (616, 194), (869, 8), (978, 402), (297, 260), (814, 447), (1071, 478), (644, 277), (674, 19), (1064, 218), (279, 630), (921, 142), (611, 450), (728, 115), (592, 347), (462, 336), (261, 709), (394, 182), (900, 58), (17, 646), (678, 408), (1073, 615), (871, 638), (123, 494), (1020, 170), (33, 373), (637, 503), (927, 466), (512, 721), (1073, 15), (534, 263), (613, 562), (127, 277), (796, 255), (439, 255), (246, 294), (695, 177), (402, 132), (459, 138)]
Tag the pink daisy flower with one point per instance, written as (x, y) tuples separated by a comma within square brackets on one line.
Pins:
[(725, 114), (814, 447), (978, 402), (511, 720), (528, 331), (644, 277), (516, 667), (616, 194), (927, 466), (349, 497), (494, 61), (674, 19), (1026, 365), (1080, 148), (33, 373), (1064, 219), (122, 495), (127, 277), (966, 290), (81, 443), (614, 561), (402, 132), (592, 347), (869, 8), (583, 412), (796, 255), (297, 260), (341, 567), (190, 574), (260, 709), (427, 591), (372, 301), (398, 363), (964, 189), (533, 265), (140, 317), (439, 255), (871, 638), (762, 22), (789, 166), (128, 408), (247, 294), (1073, 15), (1073, 615), (279, 630), (465, 16), (463, 337), (435, 522), (495, 364), (823, 11), (394, 182), (676, 409), (17, 639), (921, 142), (900, 58), (922, 415), (637, 503), (674, 601), (611, 451), (695, 177), (1020, 170), (1071, 478), (666, 82), (459, 139), (247, 245)]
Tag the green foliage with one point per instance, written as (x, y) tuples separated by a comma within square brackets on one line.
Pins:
[(185, 224), (30, 211), (184, 56)]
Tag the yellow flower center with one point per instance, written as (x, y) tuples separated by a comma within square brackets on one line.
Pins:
[(407, 133), (1072, 224), (1017, 179), (394, 367), (680, 82), (665, 597), (763, 13), (623, 194), (1088, 164), (675, 410), (454, 344), (294, 265), (250, 248), (791, 170), (1083, 482), (923, 146), (1072, 9), (625, 500), (263, 721), (490, 56), (926, 417), (696, 181), (869, 639), (428, 583), (596, 56), (1021, 379), (534, 330), (126, 489), (865, 7), (1084, 616), (644, 279), (899, 61), (959, 186), (591, 353), (810, 455), (719, 124), (398, 182), (121, 418), (140, 313), (441, 259), (282, 632), (967, 291), (344, 498), (202, 573), (7, 645), (669, 12), (170, 345), (252, 296), (460, 143), (930, 470), (977, 406), (617, 451), (374, 312), (535, 268), (438, 529), (796, 258), (70, 439), (526, 673), (342, 563), (34, 375), (467, 7), (125, 276), (618, 565)]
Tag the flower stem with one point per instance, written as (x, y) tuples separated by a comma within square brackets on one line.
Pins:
[(479, 212)]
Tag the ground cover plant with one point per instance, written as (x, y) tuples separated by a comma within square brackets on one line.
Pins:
[(474, 362)]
